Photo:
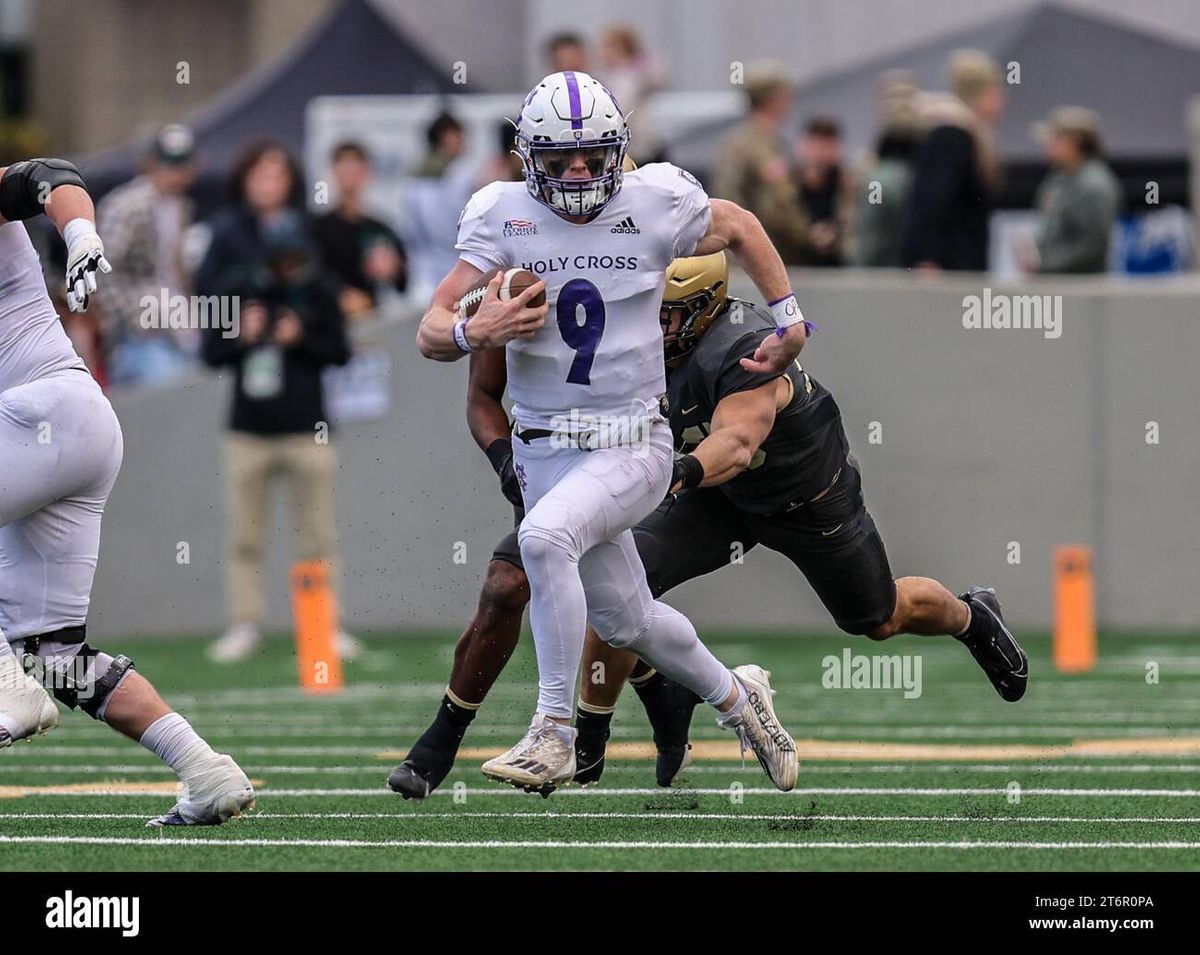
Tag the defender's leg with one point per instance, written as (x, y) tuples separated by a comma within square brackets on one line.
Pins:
[(482, 652), (835, 544)]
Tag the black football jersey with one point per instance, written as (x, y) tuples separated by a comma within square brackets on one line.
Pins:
[(805, 447)]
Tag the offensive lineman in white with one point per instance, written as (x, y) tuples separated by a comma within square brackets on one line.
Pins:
[(593, 453), (60, 451)]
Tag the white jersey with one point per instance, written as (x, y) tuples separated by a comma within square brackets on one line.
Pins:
[(33, 343), (600, 352)]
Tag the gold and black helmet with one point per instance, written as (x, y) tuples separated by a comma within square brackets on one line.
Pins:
[(698, 286)]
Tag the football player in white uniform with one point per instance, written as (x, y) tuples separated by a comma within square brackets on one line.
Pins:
[(60, 451), (593, 451)]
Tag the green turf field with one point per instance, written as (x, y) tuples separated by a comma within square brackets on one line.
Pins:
[(1108, 768)]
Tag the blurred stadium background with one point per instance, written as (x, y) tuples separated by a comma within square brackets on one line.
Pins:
[(982, 450), (981, 438)]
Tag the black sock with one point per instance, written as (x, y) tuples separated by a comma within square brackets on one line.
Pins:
[(592, 727), (439, 744), (651, 689)]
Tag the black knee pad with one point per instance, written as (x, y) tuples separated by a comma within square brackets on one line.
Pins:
[(106, 684), (864, 626), (79, 687)]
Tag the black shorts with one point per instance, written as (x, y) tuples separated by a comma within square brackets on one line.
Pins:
[(833, 542)]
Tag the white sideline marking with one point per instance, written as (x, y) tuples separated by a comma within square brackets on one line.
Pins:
[(496, 734), (574, 844), (24, 755), (417, 816), (759, 791), (383, 791), (370, 769), (152, 768)]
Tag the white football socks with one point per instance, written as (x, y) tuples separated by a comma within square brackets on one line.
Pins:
[(172, 739)]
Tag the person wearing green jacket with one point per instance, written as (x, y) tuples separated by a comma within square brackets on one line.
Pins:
[(1080, 198)]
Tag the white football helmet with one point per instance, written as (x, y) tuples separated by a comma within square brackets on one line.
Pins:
[(564, 114)]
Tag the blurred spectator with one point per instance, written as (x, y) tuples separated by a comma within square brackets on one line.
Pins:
[(887, 178), (144, 223), (565, 52), (825, 193), (505, 165), (632, 76), (753, 164), (364, 253), (1079, 199), (290, 327), (440, 187), (956, 173)]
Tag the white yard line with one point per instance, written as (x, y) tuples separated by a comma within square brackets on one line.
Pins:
[(372, 769), (163, 841), (677, 794), (417, 815)]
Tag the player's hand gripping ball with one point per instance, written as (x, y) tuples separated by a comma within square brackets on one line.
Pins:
[(504, 305)]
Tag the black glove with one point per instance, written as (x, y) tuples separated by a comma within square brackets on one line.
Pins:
[(500, 453)]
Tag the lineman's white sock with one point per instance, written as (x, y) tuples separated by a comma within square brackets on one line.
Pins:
[(172, 739)]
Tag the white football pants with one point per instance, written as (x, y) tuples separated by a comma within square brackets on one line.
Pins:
[(60, 451), (583, 566)]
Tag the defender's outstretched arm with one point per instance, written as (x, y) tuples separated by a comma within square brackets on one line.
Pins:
[(740, 423)]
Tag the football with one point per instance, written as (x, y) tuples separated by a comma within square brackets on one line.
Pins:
[(515, 282)]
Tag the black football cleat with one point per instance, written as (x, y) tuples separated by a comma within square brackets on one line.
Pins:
[(412, 781), (670, 711), (422, 771), (993, 646)]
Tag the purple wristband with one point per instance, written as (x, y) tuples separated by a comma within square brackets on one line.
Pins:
[(809, 328)]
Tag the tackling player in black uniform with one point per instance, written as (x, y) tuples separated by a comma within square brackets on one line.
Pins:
[(765, 460)]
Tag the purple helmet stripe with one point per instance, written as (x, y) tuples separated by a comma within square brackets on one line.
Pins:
[(573, 100)]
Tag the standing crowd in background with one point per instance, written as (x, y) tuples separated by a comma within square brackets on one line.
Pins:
[(923, 198)]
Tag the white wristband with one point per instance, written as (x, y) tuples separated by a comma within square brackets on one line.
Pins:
[(77, 229), (786, 311), (460, 336)]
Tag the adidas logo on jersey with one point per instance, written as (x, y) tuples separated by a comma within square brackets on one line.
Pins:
[(626, 227)]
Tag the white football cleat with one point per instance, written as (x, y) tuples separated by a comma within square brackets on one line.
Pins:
[(541, 761), (215, 793), (758, 728), (240, 642), (26, 709), (348, 645)]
